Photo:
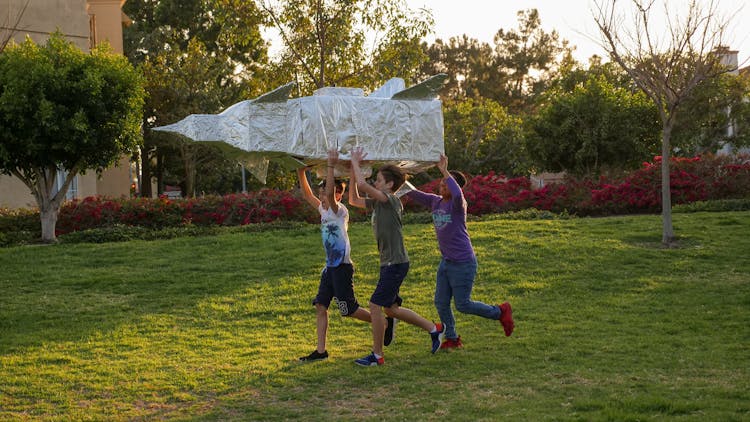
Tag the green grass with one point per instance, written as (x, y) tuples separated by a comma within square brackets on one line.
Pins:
[(609, 326)]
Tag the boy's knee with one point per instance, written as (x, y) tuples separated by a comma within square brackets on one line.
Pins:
[(391, 312), (463, 307)]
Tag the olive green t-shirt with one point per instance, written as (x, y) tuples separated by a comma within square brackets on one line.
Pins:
[(386, 224)]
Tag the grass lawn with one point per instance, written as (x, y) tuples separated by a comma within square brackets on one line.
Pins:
[(609, 326)]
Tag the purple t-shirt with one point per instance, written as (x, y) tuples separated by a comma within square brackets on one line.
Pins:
[(449, 218)]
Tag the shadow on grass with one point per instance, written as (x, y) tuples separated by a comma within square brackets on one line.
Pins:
[(71, 291)]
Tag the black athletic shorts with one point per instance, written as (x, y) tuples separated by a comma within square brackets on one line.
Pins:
[(337, 282), (391, 277)]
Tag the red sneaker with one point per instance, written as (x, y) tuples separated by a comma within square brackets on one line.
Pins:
[(506, 318), (452, 343)]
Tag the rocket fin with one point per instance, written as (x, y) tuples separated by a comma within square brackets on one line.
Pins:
[(425, 90), (278, 95)]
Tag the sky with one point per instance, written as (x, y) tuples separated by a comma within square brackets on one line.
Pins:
[(572, 19)]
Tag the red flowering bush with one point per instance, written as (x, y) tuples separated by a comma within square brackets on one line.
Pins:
[(692, 179), (230, 210)]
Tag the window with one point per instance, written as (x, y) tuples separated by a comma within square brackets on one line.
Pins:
[(92, 32), (72, 189)]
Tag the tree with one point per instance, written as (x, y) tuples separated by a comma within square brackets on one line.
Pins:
[(347, 42), (63, 109), (468, 64), (529, 57), (514, 71), (667, 69), (591, 126), (229, 29), (716, 104), (481, 136), (215, 46), (178, 84)]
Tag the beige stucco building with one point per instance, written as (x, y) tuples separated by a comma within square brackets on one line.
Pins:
[(86, 23)]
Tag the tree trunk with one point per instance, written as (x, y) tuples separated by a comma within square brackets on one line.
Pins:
[(189, 163), (49, 222), (145, 176), (667, 236)]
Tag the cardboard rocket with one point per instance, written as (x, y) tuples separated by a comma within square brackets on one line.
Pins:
[(393, 124)]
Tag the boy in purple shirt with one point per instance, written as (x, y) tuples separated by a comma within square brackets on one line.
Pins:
[(458, 266)]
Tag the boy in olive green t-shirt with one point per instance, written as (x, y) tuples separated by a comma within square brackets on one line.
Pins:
[(394, 261)]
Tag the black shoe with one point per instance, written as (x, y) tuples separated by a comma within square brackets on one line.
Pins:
[(314, 356), (390, 331)]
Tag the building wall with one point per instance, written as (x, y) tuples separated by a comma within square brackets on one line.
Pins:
[(108, 21), (83, 22), (44, 16)]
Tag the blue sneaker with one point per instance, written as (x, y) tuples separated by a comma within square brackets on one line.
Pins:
[(390, 331), (437, 336), (370, 360)]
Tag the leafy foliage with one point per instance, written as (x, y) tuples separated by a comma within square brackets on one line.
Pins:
[(61, 108), (693, 179), (346, 43), (480, 136), (715, 105), (468, 64), (591, 126), (198, 56), (522, 63)]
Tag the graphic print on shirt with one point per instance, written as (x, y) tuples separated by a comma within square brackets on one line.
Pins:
[(334, 243), (440, 218)]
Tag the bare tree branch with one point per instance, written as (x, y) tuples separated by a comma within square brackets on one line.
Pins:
[(667, 69)]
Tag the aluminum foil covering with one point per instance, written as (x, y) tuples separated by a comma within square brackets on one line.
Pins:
[(392, 125)]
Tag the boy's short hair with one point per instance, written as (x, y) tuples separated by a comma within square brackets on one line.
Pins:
[(339, 184), (392, 173), (459, 177)]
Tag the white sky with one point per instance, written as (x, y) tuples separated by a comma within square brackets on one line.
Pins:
[(572, 19)]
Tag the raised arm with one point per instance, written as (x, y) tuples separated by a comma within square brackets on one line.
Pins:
[(357, 156), (330, 193), (442, 165), (450, 182), (305, 187), (354, 199)]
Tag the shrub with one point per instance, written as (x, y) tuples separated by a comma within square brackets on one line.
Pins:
[(706, 183), (691, 179), (714, 206)]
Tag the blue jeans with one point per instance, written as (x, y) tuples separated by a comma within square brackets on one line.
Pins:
[(455, 280)]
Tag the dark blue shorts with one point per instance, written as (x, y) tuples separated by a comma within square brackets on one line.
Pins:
[(391, 277), (337, 282)]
